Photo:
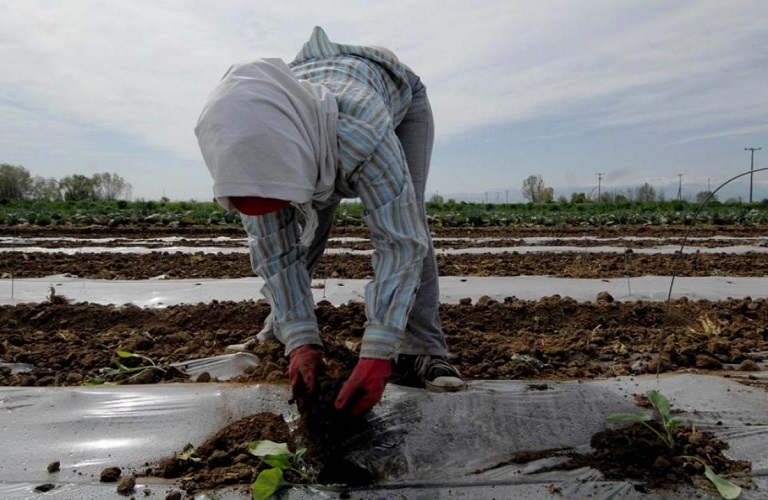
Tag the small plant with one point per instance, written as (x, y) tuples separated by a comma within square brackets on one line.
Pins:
[(282, 460), (707, 327), (668, 424), (661, 407), (119, 373)]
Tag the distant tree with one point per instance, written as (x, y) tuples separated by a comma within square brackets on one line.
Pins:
[(45, 189), (607, 197), (535, 191), (578, 198), (436, 199), (562, 200), (76, 188), (15, 182), (110, 187), (646, 192), (702, 196), (620, 198), (547, 195), (733, 200)]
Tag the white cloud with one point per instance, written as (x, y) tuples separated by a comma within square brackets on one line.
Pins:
[(640, 65), (749, 130), (142, 68)]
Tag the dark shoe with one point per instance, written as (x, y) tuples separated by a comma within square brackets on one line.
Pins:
[(434, 373)]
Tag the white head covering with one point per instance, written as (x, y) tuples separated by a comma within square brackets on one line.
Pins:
[(264, 133)]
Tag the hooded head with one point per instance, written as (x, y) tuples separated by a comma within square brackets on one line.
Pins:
[(263, 133)]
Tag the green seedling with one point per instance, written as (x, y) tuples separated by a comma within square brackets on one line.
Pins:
[(661, 408), (281, 459), (120, 371)]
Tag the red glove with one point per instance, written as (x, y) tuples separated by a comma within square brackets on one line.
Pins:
[(364, 387), (305, 362)]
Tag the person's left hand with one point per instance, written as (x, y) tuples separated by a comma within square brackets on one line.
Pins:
[(364, 387)]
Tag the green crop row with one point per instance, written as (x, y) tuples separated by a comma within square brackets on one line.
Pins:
[(451, 214)]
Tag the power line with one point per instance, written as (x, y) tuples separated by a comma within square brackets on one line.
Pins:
[(751, 169)]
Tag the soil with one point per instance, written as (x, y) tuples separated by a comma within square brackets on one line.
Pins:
[(58, 343), (224, 459), (173, 264), (323, 431), (62, 344), (201, 265), (635, 452)]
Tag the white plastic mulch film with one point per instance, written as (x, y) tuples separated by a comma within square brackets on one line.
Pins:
[(421, 445)]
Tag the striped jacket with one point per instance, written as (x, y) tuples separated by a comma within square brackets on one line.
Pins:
[(373, 95)]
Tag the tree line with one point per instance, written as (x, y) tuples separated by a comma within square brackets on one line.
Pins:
[(535, 191), (16, 183)]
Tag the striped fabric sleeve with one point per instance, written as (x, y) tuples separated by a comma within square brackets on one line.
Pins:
[(279, 259), (399, 239)]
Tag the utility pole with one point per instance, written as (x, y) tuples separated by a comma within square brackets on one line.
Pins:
[(751, 169), (680, 187), (599, 183)]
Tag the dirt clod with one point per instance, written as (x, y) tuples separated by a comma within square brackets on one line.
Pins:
[(604, 297), (749, 365), (127, 485), (110, 475)]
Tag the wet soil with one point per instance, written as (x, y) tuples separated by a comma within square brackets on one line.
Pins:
[(58, 343)]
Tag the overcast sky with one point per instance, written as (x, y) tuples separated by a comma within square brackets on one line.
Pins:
[(640, 91)]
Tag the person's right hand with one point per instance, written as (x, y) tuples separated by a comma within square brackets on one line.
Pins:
[(305, 362)]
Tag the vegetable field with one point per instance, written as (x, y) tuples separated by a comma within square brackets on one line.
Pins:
[(606, 326)]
